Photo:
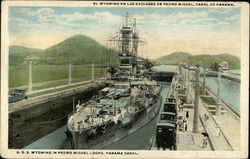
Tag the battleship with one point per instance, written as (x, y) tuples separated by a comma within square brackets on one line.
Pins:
[(129, 102)]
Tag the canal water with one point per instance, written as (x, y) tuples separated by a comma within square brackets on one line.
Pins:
[(166, 68), (139, 140), (230, 91), (235, 72)]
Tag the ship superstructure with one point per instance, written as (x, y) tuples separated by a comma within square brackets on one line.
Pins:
[(129, 102)]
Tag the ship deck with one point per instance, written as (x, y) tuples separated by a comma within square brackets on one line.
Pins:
[(84, 112), (152, 83)]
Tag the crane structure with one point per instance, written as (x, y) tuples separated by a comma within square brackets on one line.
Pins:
[(126, 43)]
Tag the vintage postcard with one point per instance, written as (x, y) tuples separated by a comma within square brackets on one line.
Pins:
[(124, 79)]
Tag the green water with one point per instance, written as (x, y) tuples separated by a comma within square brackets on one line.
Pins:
[(168, 68), (230, 91)]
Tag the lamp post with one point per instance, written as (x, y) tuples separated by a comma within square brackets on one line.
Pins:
[(204, 79), (196, 102), (93, 72), (70, 73), (30, 75), (188, 85), (218, 104)]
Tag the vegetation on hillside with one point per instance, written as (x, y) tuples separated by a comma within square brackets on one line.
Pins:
[(52, 63), (78, 49), (173, 59), (19, 54), (182, 57), (82, 50)]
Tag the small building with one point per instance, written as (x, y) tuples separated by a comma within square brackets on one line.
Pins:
[(224, 66)]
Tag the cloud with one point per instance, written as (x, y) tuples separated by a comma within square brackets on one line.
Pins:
[(25, 11), (194, 17), (169, 19), (198, 21), (18, 20), (219, 23), (191, 15), (44, 11), (195, 31), (30, 12), (220, 10), (77, 19), (235, 17)]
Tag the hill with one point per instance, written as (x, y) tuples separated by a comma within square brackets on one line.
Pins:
[(78, 49), (234, 62), (182, 57), (173, 59), (19, 54), (22, 50)]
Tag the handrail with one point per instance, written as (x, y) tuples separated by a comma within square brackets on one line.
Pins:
[(48, 97), (216, 124), (228, 105)]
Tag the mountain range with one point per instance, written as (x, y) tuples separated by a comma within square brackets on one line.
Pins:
[(184, 57), (80, 49)]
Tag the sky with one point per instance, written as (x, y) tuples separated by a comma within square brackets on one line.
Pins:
[(165, 30)]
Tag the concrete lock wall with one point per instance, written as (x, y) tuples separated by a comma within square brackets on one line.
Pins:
[(33, 122)]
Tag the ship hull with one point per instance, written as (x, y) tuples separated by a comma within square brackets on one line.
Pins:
[(115, 131)]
